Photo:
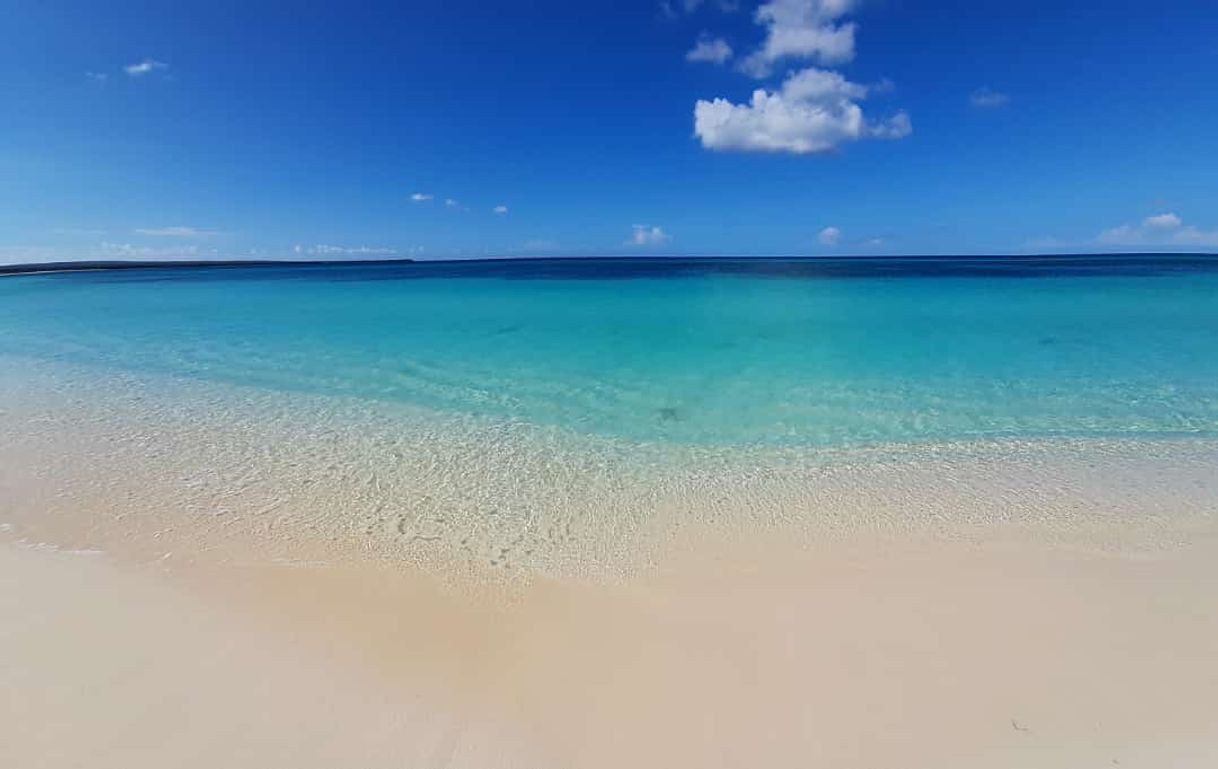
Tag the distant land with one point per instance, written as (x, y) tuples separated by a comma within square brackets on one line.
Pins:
[(1147, 263), (1044, 259), (21, 269)]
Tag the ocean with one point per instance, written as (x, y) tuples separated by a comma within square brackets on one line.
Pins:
[(695, 352)]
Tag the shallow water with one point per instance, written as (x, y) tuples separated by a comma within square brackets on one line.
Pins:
[(808, 353)]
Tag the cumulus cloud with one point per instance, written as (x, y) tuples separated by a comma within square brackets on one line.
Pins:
[(145, 67), (1166, 229), (816, 110), (830, 236), (501, 210), (801, 29), (987, 98), (647, 235), (176, 232), (715, 51), (420, 197)]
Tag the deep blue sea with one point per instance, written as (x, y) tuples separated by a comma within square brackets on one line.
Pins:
[(814, 352)]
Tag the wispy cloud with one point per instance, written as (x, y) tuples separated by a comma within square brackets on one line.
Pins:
[(145, 67), (1045, 243), (647, 235), (421, 197), (987, 98), (451, 203), (1161, 230), (676, 8), (830, 236), (132, 251), (538, 245), (97, 77), (176, 232), (501, 210), (29, 254), (322, 249), (1163, 222), (714, 51)]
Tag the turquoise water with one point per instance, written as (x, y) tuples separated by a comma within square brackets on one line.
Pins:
[(682, 351)]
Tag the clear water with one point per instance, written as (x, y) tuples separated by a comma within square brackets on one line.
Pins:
[(709, 352)]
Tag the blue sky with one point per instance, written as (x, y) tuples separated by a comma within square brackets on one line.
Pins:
[(277, 129)]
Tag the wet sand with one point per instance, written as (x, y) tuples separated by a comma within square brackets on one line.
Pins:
[(214, 576)]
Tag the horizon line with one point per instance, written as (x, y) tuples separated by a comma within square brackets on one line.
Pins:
[(131, 264)]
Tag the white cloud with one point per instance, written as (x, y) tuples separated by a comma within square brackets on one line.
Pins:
[(1165, 229), (501, 210), (715, 51), (97, 77), (987, 98), (647, 235), (675, 8), (1045, 243), (450, 203), (421, 197), (324, 250), (883, 85), (1163, 222), (830, 236), (131, 251), (538, 244), (815, 111), (145, 67), (814, 84), (102, 251), (895, 126), (176, 232), (801, 29)]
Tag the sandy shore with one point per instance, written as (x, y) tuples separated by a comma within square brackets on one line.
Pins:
[(200, 575), (875, 654)]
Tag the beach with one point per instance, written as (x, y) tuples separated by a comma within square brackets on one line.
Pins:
[(919, 654), (201, 575), (683, 384)]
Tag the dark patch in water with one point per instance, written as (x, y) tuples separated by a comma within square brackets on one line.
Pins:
[(669, 414)]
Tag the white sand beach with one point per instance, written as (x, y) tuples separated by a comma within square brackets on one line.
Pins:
[(874, 654), (205, 576), (676, 384)]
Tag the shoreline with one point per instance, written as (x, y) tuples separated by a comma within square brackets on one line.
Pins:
[(155, 466), (60, 267), (205, 575)]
